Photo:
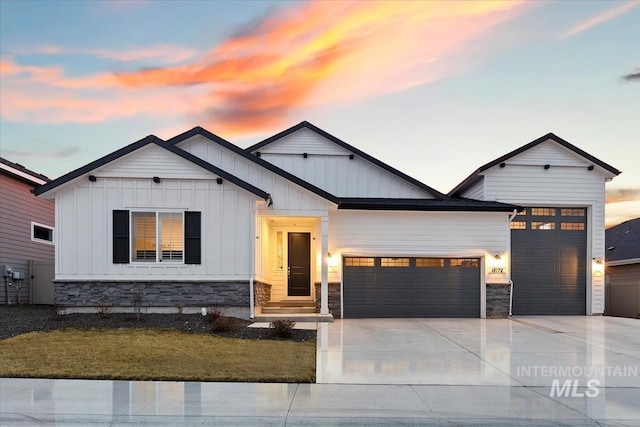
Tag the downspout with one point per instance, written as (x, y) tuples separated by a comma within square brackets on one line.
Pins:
[(254, 226), (511, 218)]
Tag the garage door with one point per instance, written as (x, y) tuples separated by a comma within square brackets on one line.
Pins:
[(549, 247), (411, 287)]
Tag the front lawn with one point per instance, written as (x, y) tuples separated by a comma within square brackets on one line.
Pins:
[(146, 354)]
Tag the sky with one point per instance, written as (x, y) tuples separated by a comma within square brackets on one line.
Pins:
[(433, 88)]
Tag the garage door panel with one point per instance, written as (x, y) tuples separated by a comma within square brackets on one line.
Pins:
[(422, 287), (548, 267)]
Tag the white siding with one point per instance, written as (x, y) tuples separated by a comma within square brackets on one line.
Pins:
[(431, 234), (476, 191), (328, 166), (84, 228), (151, 161), (567, 182), (285, 194), (304, 141)]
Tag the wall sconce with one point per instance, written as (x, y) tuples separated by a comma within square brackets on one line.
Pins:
[(332, 260), (219, 180), (351, 156), (547, 166), (598, 267), (305, 155), (156, 179), (496, 264), (92, 178)]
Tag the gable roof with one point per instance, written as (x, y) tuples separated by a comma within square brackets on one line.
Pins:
[(247, 155), (21, 173), (151, 139), (306, 125), (475, 176), (457, 204), (623, 243)]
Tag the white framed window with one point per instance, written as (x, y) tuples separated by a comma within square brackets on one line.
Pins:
[(157, 236), (42, 233)]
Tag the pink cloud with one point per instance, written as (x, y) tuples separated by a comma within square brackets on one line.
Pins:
[(166, 54), (313, 54), (600, 19)]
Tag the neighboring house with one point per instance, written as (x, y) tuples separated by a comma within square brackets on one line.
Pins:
[(26, 237), (304, 217), (623, 269)]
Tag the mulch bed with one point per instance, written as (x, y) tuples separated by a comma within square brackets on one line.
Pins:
[(16, 320)]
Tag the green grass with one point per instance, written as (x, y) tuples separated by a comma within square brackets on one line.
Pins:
[(143, 354)]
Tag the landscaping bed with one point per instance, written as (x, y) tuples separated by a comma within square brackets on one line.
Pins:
[(16, 320)]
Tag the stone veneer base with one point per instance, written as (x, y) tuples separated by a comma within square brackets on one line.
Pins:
[(335, 307), (498, 296)]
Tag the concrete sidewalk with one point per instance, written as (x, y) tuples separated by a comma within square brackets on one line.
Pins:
[(26, 402)]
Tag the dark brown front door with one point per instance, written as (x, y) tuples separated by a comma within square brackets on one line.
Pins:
[(299, 260)]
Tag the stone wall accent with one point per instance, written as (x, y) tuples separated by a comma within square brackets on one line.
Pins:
[(261, 293), (498, 300), (154, 293), (334, 299)]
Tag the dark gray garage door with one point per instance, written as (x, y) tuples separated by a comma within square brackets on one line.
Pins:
[(549, 247), (411, 287)]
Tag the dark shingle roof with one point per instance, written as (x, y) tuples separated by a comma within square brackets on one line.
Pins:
[(622, 242), (473, 178), (457, 204), (20, 168), (306, 125)]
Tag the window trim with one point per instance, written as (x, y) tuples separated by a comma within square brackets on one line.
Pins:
[(158, 249), (48, 227)]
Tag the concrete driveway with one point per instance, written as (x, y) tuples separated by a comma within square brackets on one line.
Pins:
[(524, 351)]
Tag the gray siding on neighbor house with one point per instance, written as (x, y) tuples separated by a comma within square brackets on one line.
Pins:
[(18, 208), (623, 291)]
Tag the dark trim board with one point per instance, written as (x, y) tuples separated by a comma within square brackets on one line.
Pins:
[(472, 179), (306, 125)]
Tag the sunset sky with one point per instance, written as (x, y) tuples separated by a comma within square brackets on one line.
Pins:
[(435, 89)]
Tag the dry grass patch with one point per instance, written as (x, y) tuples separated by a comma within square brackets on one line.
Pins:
[(143, 354)]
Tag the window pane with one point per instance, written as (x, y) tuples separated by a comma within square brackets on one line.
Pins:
[(524, 212), (358, 262), (572, 212), (541, 225), (42, 233), (430, 262), (518, 225), (171, 232), (394, 262), (543, 212), (572, 226), (464, 262), (144, 236)]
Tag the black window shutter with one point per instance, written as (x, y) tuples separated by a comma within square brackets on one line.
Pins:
[(192, 238), (120, 237)]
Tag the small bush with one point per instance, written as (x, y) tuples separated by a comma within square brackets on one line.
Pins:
[(180, 308), (283, 328), (57, 313), (214, 314), (138, 298), (224, 324), (105, 309)]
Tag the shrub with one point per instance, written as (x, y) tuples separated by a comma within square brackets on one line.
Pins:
[(283, 328), (224, 324), (105, 309), (57, 312), (138, 298), (214, 314), (180, 308)]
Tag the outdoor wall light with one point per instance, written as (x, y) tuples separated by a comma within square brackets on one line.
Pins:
[(332, 260), (598, 267), (547, 166), (92, 178), (305, 155), (219, 180), (156, 179)]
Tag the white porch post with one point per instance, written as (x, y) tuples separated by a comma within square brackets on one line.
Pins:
[(324, 276)]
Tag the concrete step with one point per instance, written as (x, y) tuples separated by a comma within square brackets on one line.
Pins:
[(288, 310), (316, 318), (290, 303)]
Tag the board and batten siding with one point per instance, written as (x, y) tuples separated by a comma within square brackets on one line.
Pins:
[(476, 191), (422, 234), (329, 167), (18, 209), (567, 182), (84, 212), (286, 195)]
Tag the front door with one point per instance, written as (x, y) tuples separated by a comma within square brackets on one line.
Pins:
[(299, 265)]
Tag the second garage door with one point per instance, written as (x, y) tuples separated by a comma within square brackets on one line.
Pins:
[(411, 287)]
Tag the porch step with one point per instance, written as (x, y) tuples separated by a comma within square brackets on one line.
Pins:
[(291, 303), (299, 318), (288, 310)]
